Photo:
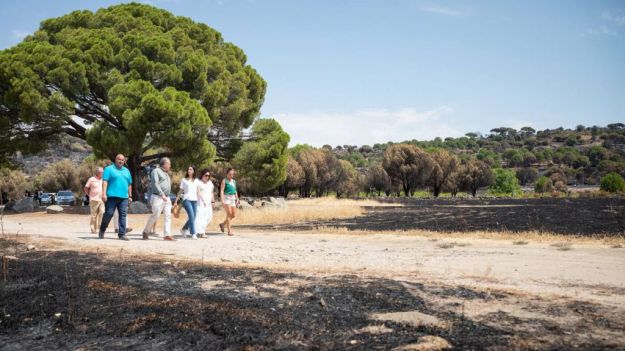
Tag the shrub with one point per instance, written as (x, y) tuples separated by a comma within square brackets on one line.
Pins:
[(14, 183), (543, 185), (505, 182), (612, 182)]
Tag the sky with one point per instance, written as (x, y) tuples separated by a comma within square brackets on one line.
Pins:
[(363, 72)]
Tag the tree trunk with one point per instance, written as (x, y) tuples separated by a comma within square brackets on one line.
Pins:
[(436, 190), (134, 166)]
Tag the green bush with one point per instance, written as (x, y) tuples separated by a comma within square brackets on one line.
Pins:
[(612, 182), (506, 182), (543, 185)]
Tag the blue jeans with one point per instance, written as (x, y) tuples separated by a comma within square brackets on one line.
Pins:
[(115, 203), (191, 208)]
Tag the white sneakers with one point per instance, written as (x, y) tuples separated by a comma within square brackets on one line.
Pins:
[(185, 233), (194, 237)]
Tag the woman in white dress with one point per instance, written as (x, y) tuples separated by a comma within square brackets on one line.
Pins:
[(204, 213)]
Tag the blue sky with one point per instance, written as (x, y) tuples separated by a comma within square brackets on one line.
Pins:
[(363, 72)]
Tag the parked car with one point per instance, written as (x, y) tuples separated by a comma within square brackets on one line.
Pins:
[(45, 199), (65, 197)]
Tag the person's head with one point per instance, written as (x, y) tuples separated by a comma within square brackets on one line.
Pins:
[(120, 160), (230, 173), (190, 172), (205, 175), (98, 172), (165, 164)]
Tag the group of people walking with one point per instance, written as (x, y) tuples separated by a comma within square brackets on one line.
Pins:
[(110, 194)]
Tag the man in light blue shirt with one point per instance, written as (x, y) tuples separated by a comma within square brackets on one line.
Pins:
[(116, 194)]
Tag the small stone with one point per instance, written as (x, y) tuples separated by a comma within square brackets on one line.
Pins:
[(30, 247), (183, 273), (167, 263), (57, 315)]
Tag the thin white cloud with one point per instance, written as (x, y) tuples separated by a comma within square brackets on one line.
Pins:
[(19, 34), (601, 30), (441, 10), (367, 126), (617, 17)]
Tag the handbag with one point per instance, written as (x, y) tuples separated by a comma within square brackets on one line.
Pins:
[(176, 210)]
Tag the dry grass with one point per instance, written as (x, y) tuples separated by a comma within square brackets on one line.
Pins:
[(297, 211), (562, 246), (520, 242), (533, 236)]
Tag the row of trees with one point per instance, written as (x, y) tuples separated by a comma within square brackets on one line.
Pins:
[(404, 169)]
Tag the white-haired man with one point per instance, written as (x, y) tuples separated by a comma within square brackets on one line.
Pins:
[(93, 189), (160, 188)]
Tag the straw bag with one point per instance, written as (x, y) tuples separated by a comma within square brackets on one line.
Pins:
[(176, 210)]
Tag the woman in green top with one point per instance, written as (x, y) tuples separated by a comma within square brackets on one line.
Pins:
[(229, 198)]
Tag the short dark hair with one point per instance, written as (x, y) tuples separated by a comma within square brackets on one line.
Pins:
[(203, 172), (229, 169)]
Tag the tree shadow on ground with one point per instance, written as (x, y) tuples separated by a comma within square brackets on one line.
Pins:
[(70, 300)]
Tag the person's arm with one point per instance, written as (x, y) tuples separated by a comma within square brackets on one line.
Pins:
[(87, 187), (221, 191), (130, 193), (105, 185), (200, 193), (154, 179)]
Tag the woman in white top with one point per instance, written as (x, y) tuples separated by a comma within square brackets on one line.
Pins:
[(204, 213), (189, 189)]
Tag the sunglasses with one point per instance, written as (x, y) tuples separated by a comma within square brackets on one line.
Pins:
[(206, 175)]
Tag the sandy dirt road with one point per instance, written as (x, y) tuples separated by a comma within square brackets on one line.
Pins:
[(589, 271)]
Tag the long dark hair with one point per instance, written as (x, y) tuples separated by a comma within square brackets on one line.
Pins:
[(186, 175)]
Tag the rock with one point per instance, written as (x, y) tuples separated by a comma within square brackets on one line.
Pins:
[(427, 343), (30, 247), (24, 205), (268, 204), (54, 209), (138, 208), (244, 205), (9, 206), (279, 201)]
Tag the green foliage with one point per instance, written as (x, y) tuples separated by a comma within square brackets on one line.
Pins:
[(543, 185), (14, 183), (62, 175), (612, 182), (505, 182), (147, 83), (263, 159)]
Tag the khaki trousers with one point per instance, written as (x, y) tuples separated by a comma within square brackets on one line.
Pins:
[(97, 212)]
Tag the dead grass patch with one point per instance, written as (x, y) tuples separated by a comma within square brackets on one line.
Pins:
[(528, 236), (562, 246)]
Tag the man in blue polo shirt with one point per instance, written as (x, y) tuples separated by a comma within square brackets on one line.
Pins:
[(116, 194)]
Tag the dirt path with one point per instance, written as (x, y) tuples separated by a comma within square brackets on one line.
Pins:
[(593, 272), (290, 290)]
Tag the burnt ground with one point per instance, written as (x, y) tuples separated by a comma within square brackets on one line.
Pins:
[(79, 300), (561, 216)]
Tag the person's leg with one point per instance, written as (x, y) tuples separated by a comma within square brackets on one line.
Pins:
[(100, 213), (116, 221), (93, 209), (109, 211), (167, 212), (233, 213), (156, 202), (186, 204), (122, 208), (192, 217)]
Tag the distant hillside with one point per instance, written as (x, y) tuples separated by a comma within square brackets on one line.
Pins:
[(583, 154), (61, 148)]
